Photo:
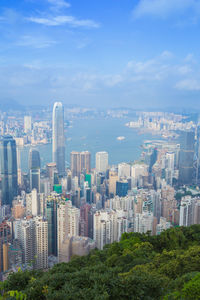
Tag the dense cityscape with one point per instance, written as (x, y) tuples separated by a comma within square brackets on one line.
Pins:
[(50, 214)]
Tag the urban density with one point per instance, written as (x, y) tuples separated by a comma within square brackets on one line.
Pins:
[(51, 213)]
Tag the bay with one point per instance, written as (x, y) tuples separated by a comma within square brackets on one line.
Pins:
[(95, 135)]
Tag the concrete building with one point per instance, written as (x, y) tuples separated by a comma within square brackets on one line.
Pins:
[(58, 138), (101, 161), (75, 245)]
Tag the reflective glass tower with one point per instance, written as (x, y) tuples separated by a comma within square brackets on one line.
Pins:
[(8, 169), (34, 167), (58, 138)]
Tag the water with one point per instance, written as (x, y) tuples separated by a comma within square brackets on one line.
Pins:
[(96, 135)]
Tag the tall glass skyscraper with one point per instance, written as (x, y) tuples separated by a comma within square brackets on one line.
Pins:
[(34, 167), (58, 138), (8, 169)]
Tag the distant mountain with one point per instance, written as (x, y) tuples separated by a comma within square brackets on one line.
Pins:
[(9, 104)]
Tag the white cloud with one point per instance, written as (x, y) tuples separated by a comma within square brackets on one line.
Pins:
[(35, 42), (164, 8), (189, 85), (59, 3), (64, 20)]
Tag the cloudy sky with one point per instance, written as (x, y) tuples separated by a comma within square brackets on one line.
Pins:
[(100, 53)]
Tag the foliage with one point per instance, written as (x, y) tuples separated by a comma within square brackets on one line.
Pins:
[(140, 266)]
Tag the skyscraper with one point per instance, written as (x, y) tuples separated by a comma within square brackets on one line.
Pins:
[(27, 124), (8, 169), (80, 163), (101, 161), (58, 138), (186, 157), (34, 167)]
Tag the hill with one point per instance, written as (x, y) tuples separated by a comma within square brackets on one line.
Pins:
[(139, 267)]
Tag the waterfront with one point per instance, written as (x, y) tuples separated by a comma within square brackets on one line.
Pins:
[(96, 135)]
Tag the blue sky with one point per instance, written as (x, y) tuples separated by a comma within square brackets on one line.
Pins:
[(101, 53)]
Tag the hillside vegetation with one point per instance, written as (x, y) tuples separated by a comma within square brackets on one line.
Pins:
[(139, 267)]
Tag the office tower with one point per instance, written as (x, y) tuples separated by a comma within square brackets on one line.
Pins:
[(169, 167), (58, 138), (34, 167), (41, 235), (113, 177), (84, 219), (75, 164), (85, 160), (80, 163), (138, 172), (122, 188), (51, 171), (19, 172), (124, 170), (101, 161), (8, 169), (51, 216), (27, 124), (186, 157)]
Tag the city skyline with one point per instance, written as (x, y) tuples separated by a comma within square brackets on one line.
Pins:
[(140, 53)]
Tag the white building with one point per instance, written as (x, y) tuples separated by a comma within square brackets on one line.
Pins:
[(189, 211), (163, 225), (27, 124), (144, 222), (68, 218), (124, 170), (101, 161), (138, 171), (33, 238), (108, 227)]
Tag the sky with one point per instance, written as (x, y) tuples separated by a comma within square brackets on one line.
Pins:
[(101, 53)]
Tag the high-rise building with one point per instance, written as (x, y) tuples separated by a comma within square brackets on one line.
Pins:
[(124, 170), (8, 169), (144, 222), (24, 231), (27, 124), (122, 188), (33, 238), (34, 167), (101, 161), (5, 237), (85, 160), (186, 157), (51, 215), (108, 227), (51, 171), (58, 138), (113, 177), (41, 235), (189, 211), (68, 218), (80, 163)]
